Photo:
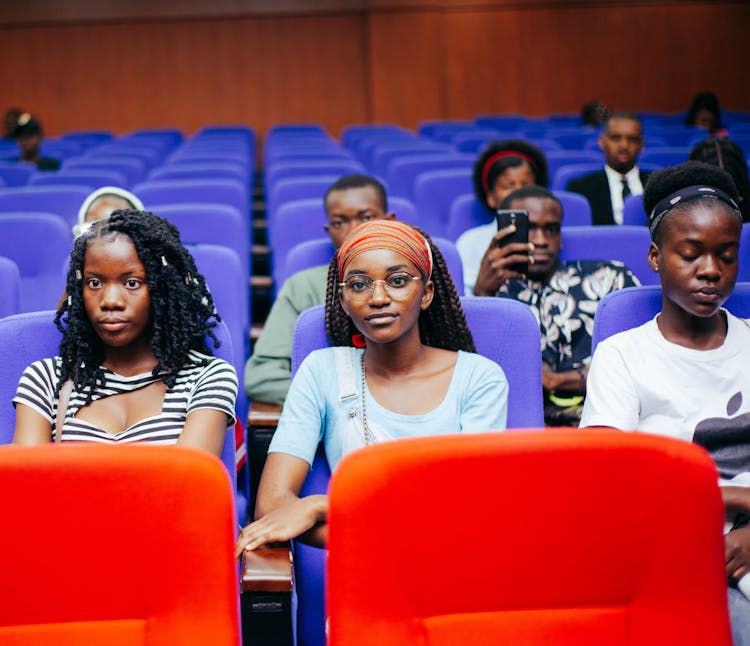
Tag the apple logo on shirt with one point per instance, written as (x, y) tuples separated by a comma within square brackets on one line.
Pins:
[(727, 439)]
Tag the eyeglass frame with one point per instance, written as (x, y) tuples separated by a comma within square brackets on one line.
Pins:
[(365, 278)]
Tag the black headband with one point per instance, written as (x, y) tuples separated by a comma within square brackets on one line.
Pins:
[(685, 195)]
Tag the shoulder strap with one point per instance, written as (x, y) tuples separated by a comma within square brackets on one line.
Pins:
[(345, 359), (62, 408)]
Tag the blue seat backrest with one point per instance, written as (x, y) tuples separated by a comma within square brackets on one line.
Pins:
[(38, 243), (10, 287), (634, 306), (627, 244)]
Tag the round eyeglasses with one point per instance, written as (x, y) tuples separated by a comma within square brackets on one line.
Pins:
[(397, 285)]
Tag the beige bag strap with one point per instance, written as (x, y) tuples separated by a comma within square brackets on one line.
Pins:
[(62, 408)]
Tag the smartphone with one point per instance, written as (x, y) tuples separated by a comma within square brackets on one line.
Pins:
[(506, 217)]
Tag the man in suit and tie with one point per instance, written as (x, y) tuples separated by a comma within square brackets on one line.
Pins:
[(606, 190)]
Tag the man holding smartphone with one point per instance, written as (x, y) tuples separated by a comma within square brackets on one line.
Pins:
[(562, 296)]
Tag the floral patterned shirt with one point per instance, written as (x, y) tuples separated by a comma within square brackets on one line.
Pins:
[(565, 307)]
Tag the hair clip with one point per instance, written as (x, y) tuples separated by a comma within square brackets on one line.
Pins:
[(70, 301), (188, 279), (79, 276), (164, 261)]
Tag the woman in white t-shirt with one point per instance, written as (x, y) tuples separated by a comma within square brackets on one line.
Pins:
[(403, 364), (686, 373)]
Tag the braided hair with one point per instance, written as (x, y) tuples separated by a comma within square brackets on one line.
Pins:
[(181, 307), (484, 179), (441, 325), (727, 155)]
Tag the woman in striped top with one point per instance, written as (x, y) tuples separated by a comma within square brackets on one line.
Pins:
[(134, 346)]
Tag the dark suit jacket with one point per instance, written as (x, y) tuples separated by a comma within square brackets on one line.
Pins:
[(595, 188)]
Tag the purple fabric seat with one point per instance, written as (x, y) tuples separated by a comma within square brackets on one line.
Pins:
[(403, 171), (38, 243), (319, 252), (576, 209), (633, 212), (80, 176), (282, 170), (434, 191), (15, 174), (634, 306), (10, 287), (63, 201), (216, 224), (628, 244), (132, 168), (505, 331), (382, 155), (305, 187), (466, 212), (181, 191), (218, 170)]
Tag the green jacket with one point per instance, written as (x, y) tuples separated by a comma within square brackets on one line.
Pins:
[(268, 371)]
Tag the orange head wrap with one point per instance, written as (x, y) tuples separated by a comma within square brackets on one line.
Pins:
[(386, 234)]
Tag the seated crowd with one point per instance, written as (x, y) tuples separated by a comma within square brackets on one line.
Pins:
[(137, 321)]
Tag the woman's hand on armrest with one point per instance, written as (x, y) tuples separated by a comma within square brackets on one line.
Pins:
[(279, 511), (288, 521)]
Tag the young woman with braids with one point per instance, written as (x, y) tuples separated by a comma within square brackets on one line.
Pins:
[(686, 373), (133, 349), (403, 365)]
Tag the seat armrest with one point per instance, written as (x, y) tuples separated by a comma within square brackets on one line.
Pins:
[(268, 569)]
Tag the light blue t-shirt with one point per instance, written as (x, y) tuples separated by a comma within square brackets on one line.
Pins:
[(476, 401)]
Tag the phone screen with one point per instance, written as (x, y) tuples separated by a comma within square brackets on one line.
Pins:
[(506, 217)]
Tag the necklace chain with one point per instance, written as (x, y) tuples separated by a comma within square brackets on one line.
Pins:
[(369, 437)]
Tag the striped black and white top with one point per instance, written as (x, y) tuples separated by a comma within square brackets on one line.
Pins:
[(213, 385)]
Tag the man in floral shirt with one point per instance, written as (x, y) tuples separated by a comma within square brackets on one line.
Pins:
[(562, 296)]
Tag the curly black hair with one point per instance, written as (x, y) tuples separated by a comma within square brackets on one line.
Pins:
[(441, 325), (182, 309), (664, 182), (538, 168), (729, 156)]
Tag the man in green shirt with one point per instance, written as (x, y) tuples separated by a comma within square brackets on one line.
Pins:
[(353, 199)]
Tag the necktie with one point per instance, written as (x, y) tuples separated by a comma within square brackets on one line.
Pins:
[(625, 188)]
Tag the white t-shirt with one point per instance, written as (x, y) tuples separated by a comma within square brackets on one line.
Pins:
[(640, 381)]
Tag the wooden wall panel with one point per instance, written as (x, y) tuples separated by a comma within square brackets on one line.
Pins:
[(405, 63), (188, 73)]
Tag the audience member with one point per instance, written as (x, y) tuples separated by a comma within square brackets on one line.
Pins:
[(502, 168), (562, 296), (28, 132), (351, 200), (606, 190), (704, 113), (403, 366), (594, 113), (683, 373), (10, 121), (100, 204), (729, 156), (133, 362)]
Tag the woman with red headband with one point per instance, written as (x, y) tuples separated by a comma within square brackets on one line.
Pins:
[(501, 169), (403, 364)]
